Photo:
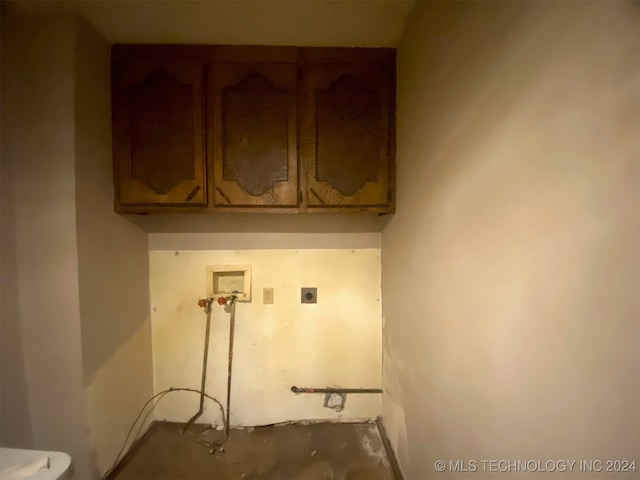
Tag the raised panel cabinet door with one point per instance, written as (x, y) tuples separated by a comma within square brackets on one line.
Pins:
[(158, 129), (253, 135), (345, 135)]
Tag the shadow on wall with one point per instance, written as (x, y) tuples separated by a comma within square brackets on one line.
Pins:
[(15, 421), (250, 223), (517, 217)]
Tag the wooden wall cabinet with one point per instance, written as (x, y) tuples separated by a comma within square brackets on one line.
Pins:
[(253, 129), (253, 135), (345, 136), (158, 133)]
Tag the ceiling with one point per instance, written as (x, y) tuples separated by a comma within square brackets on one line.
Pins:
[(351, 23)]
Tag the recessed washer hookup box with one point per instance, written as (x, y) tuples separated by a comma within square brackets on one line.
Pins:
[(225, 280)]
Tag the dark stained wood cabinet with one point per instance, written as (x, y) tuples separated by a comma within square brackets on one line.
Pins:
[(253, 129), (345, 135), (253, 135), (158, 132)]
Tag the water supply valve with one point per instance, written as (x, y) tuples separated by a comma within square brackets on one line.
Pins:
[(227, 302), (206, 304)]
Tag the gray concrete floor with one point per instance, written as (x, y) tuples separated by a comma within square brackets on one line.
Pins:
[(339, 451)]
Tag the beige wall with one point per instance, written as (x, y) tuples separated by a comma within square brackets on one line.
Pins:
[(336, 342), (113, 266), (38, 148), (510, 272)]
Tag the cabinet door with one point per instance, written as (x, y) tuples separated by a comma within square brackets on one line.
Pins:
[(158, 130), (253, 138), (345, 136)]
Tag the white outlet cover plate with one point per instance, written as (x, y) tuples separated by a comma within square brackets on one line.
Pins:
[(225, 280)]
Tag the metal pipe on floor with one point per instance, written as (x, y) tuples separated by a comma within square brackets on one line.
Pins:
[(295, 389)]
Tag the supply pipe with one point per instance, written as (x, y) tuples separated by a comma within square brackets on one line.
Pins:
[(230, 306), (206, 303)]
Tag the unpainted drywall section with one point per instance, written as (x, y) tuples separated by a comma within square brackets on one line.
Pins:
[(510, 270), (336, 342), (116, 393), (263, 241), (38, 151), (113, 266)]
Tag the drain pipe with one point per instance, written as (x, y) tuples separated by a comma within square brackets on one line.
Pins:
[(206, 303)]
